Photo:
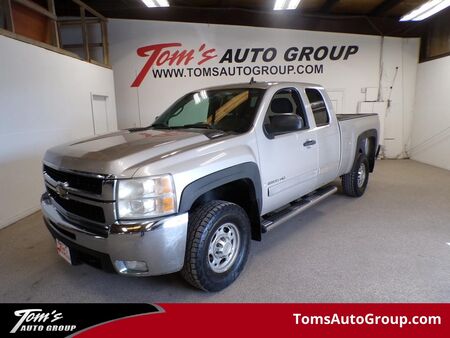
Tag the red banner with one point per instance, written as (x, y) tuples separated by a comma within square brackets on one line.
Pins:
[(280, 320)]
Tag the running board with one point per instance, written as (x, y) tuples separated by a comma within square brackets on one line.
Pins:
[(295, 208)]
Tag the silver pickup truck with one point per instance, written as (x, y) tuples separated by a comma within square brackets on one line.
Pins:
[(219, 167)]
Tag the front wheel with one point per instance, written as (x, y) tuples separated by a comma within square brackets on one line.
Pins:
[(217, 246), (355, 182)]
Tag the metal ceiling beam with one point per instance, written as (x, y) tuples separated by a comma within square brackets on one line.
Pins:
[(289, 20), (384, 7), (328, 6)]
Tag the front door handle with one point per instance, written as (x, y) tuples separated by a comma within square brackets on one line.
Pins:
[(309, 143)]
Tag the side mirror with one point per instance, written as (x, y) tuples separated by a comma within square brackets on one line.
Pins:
[(157, 117), (283, 123)]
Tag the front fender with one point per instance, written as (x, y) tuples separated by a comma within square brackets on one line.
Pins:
[(202, 185)]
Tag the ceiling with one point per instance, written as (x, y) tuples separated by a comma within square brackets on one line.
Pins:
[(352, 7), (389, 8), (377, 17)]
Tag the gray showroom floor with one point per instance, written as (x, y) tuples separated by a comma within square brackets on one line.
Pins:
[(391, 245)]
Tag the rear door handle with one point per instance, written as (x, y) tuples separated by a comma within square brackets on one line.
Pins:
[(309, 143)]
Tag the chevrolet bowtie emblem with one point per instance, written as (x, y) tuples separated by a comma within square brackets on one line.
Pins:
[(62, 189)]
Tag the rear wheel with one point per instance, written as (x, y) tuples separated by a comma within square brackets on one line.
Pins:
[(217, 246), (355, 182)]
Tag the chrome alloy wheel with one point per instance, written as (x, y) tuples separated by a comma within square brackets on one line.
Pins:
[(361, 175), (223, 248)]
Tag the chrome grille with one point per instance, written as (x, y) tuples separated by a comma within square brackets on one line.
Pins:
[(81, 209), (75, 181), (88, 199)]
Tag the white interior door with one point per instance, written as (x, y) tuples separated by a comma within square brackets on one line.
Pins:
[(100, 114)]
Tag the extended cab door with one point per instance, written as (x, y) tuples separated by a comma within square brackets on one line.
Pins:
[(288, 159), (327, 134)]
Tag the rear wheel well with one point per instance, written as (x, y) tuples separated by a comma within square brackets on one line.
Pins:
[(367, 145), (369, 149), (241, 192)]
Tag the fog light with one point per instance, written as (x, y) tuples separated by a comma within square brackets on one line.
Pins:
[(131, 267)]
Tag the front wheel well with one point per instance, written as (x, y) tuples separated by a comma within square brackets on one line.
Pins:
[(241, 192)]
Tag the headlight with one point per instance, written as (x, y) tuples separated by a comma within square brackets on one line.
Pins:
[(145, 197)]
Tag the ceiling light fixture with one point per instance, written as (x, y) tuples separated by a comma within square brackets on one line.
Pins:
[(156, 3), (285, 4), (426, 10)]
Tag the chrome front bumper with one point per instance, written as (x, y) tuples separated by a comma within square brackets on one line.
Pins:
[(161, 246)]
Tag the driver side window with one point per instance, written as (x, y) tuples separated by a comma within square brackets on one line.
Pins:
[(286, 112)]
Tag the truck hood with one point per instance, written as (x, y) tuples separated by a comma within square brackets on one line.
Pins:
[(120, 153)]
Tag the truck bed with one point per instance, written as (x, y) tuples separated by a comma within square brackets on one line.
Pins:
[(351, 126), (344, 117)]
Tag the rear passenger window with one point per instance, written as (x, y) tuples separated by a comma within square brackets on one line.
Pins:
[(318, 107)]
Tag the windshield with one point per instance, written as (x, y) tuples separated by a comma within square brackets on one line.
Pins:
[(229, 110)]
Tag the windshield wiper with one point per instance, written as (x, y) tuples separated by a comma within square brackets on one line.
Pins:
[(197, 125), (200, 125), (160, 126), (131, 130)]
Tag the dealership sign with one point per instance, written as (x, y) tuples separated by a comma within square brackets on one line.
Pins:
[(84, 320), (172, 60)]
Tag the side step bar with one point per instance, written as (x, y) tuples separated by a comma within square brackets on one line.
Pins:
[(295, 208)]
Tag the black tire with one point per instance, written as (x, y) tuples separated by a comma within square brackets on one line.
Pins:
[(207, 223), (352, 184)]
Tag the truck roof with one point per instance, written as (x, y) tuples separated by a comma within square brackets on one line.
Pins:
[(263, 85)]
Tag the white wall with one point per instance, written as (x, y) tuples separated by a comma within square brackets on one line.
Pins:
[(45, 100), (430, 140), (346, 80), (398, 93)]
